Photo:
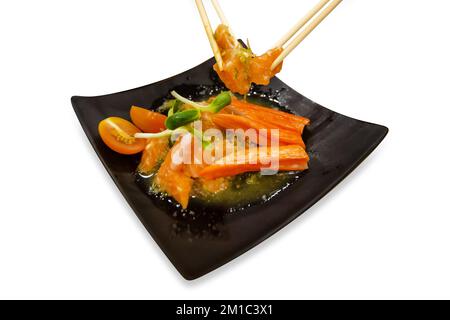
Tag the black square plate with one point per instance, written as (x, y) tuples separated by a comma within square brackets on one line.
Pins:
[(199, 244)]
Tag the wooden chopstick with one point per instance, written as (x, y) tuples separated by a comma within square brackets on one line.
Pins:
[(308, 29), (223, 18), (301, 23), (209, 33), (220, 13)]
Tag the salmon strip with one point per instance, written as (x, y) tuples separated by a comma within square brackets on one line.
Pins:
[(172, 178), (294, 165), (271, 121), (279, 115), (291, 158), (155, 151), (230, 121)]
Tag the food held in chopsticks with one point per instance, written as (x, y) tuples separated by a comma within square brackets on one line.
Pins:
[(241, 67), (237, 67), (183, 160)]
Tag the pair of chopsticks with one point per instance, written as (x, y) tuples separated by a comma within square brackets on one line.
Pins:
[(209, 30), (306, 25)]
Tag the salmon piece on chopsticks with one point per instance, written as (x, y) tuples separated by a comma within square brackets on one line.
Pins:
[(260, 71), (236, 61), (225, 40), (241, 67)]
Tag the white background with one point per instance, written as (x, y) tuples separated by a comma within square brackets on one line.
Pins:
[(66, 231)]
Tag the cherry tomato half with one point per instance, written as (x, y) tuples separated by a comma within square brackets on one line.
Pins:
[(148, 121), (118, 134)]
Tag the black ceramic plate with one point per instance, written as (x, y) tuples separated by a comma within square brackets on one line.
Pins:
[(199, 243)]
